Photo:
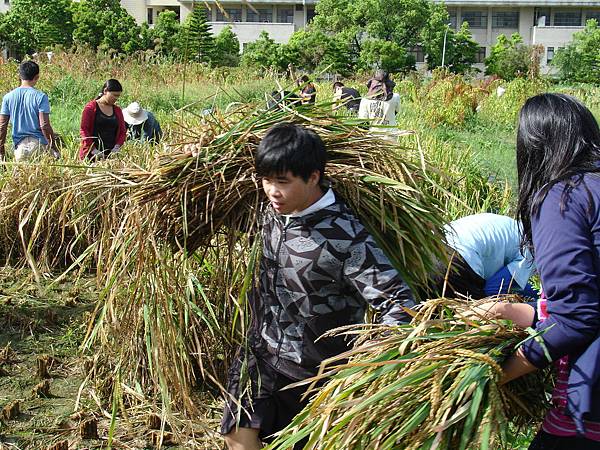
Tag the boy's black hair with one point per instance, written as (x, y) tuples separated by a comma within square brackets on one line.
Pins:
[(337, 84), (290, 147), (28, 70)]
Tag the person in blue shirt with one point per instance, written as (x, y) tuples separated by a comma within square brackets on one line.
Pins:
[(141, 124), (29, 111), (485, 258)]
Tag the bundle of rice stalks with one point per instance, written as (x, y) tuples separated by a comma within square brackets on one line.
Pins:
[(208, 184), (178, 267), (49, 220), (431, 385)]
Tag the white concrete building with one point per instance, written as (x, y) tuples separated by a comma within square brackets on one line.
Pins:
[(280, 18), (550, 23)]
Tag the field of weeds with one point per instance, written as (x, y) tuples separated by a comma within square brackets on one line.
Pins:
[(123, 284)]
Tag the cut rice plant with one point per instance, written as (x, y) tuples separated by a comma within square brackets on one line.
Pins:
[(178, 266), (433, 384)]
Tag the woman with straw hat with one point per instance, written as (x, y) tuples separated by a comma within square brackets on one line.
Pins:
[(102, 125), (141, 124)]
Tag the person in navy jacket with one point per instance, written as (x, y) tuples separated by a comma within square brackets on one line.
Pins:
[(558, 163)]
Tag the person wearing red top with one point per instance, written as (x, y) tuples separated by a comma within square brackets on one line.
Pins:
[(103, 128)]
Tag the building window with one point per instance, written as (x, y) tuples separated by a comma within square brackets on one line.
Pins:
[(505, 19), (285, 15), (593, 15), (418, 53), (567, 18), (480, 55), (541, 17), (7, 2), (453, 21), (475, 19), (310, 14), (259, 15), (150, 16), (233, 15), (549, 54)]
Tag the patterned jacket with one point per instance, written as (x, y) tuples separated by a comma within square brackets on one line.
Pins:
[(319, 272)]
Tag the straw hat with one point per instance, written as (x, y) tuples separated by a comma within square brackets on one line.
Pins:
[(134, 114)]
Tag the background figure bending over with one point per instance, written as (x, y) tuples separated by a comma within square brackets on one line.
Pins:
[(141, 124), (346, 96), (309, 91), (103, 128), (486, 258)]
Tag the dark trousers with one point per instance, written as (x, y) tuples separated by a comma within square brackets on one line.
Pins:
[(546, 441)]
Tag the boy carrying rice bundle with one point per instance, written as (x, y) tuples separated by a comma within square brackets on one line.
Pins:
[(319, 270)]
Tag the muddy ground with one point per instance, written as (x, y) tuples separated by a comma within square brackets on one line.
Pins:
[(45, 402)]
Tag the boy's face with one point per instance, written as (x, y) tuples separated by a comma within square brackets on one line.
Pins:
[(290, 194)]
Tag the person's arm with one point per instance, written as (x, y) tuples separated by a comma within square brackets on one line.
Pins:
[(4, 120), (48, 133), (564, 253), (86, 130), (373, 277), (122, 129), (516, 366)]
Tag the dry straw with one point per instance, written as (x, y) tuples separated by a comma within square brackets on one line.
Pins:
[(178, 267)]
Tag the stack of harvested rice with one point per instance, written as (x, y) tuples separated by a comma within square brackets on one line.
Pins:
[(168, 314), (430, 385), (207, 185)]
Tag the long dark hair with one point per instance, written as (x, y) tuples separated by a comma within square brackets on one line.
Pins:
[(558, 138), (111, 85)]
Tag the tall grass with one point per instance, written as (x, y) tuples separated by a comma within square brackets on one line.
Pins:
[(168, 230)]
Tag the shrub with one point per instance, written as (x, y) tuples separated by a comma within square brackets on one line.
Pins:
[(511, 58), (314, 50), (447, 100), (503, 110), (227, 48), (387, 55), (580, 60), (264, 53)]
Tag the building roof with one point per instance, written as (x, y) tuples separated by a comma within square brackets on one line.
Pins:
[(541, 4)]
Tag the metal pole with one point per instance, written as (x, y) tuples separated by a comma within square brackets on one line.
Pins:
[(444, 47)]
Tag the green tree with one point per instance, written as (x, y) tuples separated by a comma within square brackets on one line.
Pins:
[(509, 58), (227, 48), (265, 53), (105, 24), (386, 55), (166, 34), (34, 25), (197, 41), (580, 60), (461, 49), (314, 50), (360, 23)]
